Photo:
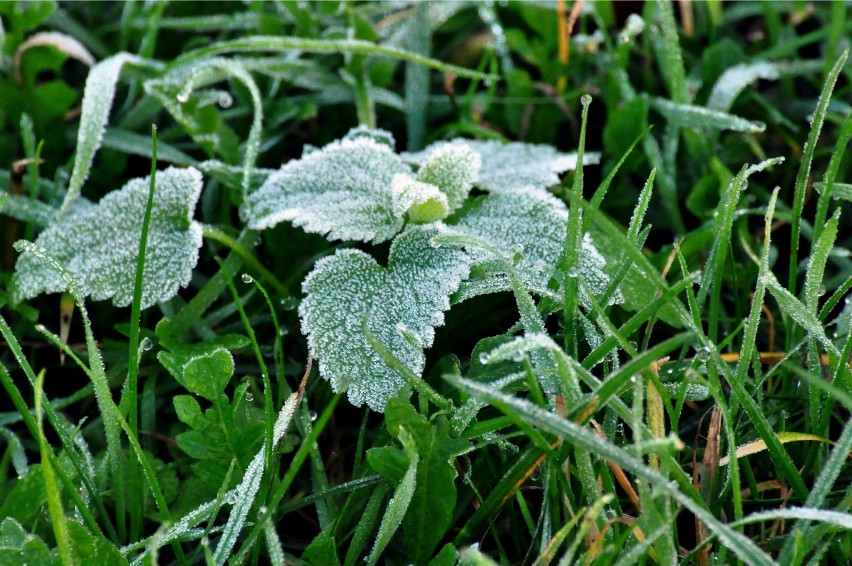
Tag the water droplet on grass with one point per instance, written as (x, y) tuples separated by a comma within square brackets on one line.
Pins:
[(289, 303), (247, 278), (484, 358), (146, 344)]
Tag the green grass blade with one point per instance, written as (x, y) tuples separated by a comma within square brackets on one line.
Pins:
[(691, 116), (352, 46), (805, 170), (54, 503)]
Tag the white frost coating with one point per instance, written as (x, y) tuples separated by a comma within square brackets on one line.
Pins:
[(735, 79), (99, 245), (534, 223), (97, 102), (349, 287), (412, 196), (245, 493), (342, 191), (509, 166), (699, 117), (454, 169)]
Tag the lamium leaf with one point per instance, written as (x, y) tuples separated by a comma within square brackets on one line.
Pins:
[(99, 244), (400, 304), (509, 166), (530, 224), (454, 169), (342, 191), (422, 202)]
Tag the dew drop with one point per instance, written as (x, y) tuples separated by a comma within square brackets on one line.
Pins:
[(249, 396), (518, 356), (484, 358), (518, 248), (283, 331), (312, 415), (146, 344), (703, 354), (183, 98), (289, 303), (226, 100), (41, 328), (586, 99), (247, 278), (821, 291)]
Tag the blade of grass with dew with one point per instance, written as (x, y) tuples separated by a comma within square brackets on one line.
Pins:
[(247, 489), (352, 46), (398, 504), (600, 192), (580, 436), (53, 418), (691, 116), (132, 385), (779, 455), (97, 101), (54, 504), (113, 420), (570, 261), (804, 172), (828, 189), (215, 234)]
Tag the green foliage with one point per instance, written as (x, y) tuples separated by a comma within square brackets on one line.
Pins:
[(566, 317)]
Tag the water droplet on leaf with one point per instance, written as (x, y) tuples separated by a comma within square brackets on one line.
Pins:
[(247, 278), (484, 358)]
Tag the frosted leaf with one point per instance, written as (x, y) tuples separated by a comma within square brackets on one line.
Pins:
[(99, 244), (693, 116), (378, 136), (508, 166), (349, 288), (735, 79), (97, 102), (422, 202), (454, 169), (342, 191), (535, 222)]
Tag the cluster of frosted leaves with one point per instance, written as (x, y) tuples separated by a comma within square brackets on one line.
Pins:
[(359, 189), (509, 166), (532, 225), (99, 244), (401, 305)]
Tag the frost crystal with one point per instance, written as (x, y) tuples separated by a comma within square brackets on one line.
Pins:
[(100, 243), (349, 289), (342, 191), (509, 166), (536, 223)]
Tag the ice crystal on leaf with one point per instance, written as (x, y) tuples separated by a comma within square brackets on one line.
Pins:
[(342, 191), (509, 166), (99, 244), (454, 169), (401, 305)]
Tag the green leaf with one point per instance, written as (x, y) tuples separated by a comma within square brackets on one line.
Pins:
[(402, 305), (99, 245), (428, 517), (89, 548), (322, 550), (204, 374), (342, 191), (510, 166), (18, 547)]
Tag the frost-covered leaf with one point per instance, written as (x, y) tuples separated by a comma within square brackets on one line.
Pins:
[(693, 116), (342, 191), (735, 79), (97, 102), (99, 245), (509, 166), (422, 202), (532, 224), (454, 169), (401, 305)]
